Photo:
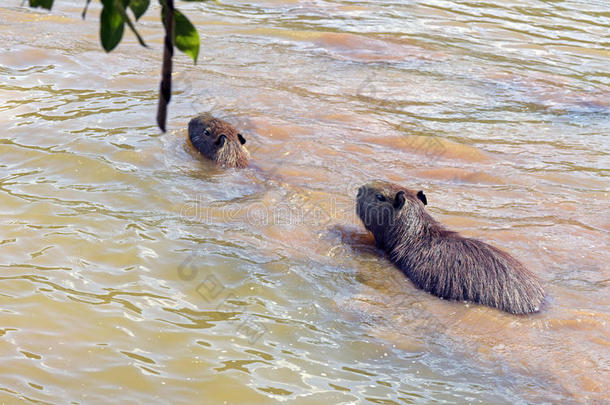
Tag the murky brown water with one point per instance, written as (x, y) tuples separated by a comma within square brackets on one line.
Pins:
[(133, 270)]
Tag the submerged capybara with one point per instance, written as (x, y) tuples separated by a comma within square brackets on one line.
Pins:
[(441, 261), (218, 140)]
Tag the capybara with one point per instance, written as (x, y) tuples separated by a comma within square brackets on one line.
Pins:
[(218, 140), (441, 261)]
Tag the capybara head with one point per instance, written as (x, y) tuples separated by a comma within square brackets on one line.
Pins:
[(218, 140), (386, 208)]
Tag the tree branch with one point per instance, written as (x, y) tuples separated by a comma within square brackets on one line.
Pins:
[(165, 91)]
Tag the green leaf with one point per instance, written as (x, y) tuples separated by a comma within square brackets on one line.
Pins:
[(139, 7), (186, 36), (41, 3), (112, 26)]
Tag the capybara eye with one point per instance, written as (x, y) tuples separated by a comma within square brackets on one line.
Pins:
[(380, 197), (241, 138), (207, 132), (221, 140)]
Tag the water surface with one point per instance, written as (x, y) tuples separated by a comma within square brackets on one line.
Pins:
[(132, 269)]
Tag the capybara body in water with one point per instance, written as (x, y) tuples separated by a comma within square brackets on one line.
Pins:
[(440, 261), (218, 140)]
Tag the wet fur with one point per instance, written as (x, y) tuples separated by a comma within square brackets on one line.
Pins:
[(440, 261), (231, 154)]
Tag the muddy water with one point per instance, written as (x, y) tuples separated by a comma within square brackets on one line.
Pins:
[(133, 270)]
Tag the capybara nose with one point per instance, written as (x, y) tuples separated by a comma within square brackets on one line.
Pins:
[(360, 192)]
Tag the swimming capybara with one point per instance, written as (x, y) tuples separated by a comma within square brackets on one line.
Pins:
[(218, 140), (441, 261)]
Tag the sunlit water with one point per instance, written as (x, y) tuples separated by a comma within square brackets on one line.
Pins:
[(133, 271)]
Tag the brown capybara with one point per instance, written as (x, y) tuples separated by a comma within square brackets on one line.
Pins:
[(440, 261), (218, 140)]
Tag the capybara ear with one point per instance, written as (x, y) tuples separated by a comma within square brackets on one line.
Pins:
[(241, 138), (221, 140), (399, 200), (422, 197)]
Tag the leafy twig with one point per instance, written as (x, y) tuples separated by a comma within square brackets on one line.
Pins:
[(179, 31)]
